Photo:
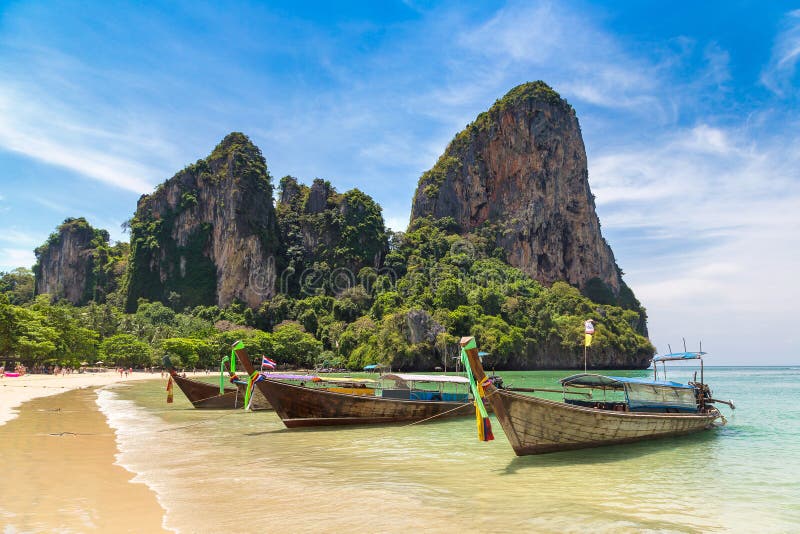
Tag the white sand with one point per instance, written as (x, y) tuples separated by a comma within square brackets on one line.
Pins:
[(16, 390)]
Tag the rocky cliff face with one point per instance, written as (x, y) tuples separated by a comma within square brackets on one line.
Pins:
[(66, 262), (208, 235), (325, 230), (520, 171)]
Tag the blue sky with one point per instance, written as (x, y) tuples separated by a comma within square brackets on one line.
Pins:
[(689, 112)]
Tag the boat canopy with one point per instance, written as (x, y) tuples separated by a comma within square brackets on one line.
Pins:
[(372, 367), (344, 380), (585, 380), (679, 356), (287, 376), (641, 394), (405, 377)]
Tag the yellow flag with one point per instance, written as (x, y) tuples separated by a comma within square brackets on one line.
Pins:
[(587, 341)]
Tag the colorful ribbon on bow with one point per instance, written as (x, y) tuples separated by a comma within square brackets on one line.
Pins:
[(481, 415), (222, 375)]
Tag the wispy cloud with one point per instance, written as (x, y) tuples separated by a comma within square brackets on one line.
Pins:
[(42, 127), (779, 73), (12, 236), (11, 258), (726, 209), (576, 55)]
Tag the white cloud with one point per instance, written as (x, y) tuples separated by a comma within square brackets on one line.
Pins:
[(34, 125), (398, 223), (569, 50), (778, 74), (712, 218), (16, 237), (11, 258)]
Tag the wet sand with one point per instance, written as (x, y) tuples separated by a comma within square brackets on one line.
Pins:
[(58, 474), (16, 390)]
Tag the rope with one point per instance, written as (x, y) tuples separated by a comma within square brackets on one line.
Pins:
[(444, 413), (216, 396)]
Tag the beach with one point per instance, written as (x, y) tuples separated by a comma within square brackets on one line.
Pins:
[(16, 390), (118, 458), (59, 471)]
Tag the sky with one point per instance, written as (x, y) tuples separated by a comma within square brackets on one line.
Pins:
[(689, 112)]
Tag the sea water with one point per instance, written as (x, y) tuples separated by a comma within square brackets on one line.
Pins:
[(215, 470)]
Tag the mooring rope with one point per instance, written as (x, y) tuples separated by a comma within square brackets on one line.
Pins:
[(445, 413)]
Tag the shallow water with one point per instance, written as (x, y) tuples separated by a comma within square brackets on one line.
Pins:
[(217, 470)]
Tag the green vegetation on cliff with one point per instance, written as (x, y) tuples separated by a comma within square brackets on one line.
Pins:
[(81, 254), (434, 286), (190, 231), (348, 292), (325, 230)]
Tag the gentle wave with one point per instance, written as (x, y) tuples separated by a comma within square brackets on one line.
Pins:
[(133, 426)]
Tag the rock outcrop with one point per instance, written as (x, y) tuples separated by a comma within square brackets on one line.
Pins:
[(335, 234), (208, 235), (72, 263), (519, 173)]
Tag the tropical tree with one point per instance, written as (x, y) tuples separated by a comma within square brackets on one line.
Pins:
[(125, 350)]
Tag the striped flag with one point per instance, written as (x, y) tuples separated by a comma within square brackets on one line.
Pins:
[(266, 362)]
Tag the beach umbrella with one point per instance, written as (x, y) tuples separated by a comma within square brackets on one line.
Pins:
[(99, 363)]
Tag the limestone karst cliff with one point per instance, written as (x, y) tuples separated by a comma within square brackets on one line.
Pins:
[(325, 230), (208, 235), (77, 263), (520, 171), (504, 244)]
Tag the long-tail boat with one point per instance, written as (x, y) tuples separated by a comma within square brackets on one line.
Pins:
[(303, 406), (209, 396), (646, 409)]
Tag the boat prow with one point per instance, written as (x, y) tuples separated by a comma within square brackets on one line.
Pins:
[(203, 395)]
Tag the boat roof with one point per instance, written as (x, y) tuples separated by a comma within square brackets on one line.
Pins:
[(289, 376), (588, 380), (344, 380), (316, 378), (679, 356), (405, 377)]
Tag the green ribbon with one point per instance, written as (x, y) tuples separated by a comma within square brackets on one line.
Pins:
[(236, 346), (473, 385), (249, 391), (222, 375)]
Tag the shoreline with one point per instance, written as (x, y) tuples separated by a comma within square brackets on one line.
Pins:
[(61, 471), (14, 391)]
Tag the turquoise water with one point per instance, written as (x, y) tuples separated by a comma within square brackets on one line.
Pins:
[(216, 470)]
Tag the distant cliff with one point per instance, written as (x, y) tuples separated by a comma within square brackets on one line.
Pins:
[(78, 264), (519, 173), (208, 235), (325, 230)]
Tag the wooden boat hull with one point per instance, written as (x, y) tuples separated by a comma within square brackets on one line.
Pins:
[(300, 406), (206, 396), (537, 426)]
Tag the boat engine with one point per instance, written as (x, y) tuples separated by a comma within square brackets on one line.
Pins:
[(497, 381)]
